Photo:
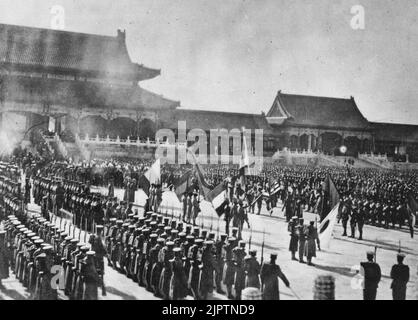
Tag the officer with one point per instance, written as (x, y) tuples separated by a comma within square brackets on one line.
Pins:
[(207, 270), (311, 240), (252, 270), (98, 246), (195, 258), (292, 229), (90, 277), (178, 283), (400, 278), (220, 263), (353, 218), (372, 275), (269, 274), (239, 255), (302, 239)]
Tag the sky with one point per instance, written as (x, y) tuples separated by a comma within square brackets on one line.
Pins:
[(234, 55)]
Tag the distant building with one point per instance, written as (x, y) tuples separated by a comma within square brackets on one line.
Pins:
[(86, 84)]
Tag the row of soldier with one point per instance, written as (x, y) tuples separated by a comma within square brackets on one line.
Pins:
[(174, 260), (45, 259)]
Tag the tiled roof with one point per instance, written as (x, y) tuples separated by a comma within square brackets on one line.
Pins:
[(207, 120), (395, 132), (71, 51), (79, 93), (318, 111)]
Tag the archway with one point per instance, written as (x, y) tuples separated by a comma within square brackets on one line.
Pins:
[(293, 142), (93, 125), (147, 129), (331, 141), (122, 127), (353, 146), (304, 142)]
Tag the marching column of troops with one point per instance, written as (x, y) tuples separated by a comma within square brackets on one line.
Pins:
[(174, 260)]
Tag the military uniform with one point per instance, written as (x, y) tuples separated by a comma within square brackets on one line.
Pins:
[(400, 278), (372, 275)]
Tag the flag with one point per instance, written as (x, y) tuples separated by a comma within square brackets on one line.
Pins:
[(153, 174), (218, 190), (184, 183), (221, 209), (144, 184), (244, 162), (217, 195), (204, 187), (327, 226), (331, 194)]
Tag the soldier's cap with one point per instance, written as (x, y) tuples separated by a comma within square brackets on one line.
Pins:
[(273, 256), (112, 219), (182, 234), (180, 223), (198, 241), (212, 234), (16, 223), (153, 223), (19, 226), (80, 245), (84, 248), (68, 238), (166, 219), (189, 237), (131, 226), (33, 238), (252, 252), (176, 250), (234, 229), (230, 239), (38, 241), (370, 253), (131, 215), (161, 226), (146, 230), (90, 253), (31, 234), (154, 215), (295, 218), (125, 225), (41, 256), (141, 219), (74, 241), (401, 255), (2, 233), (99, 227), (11, 216), (120, 222), (161, 240), (167, 229), (196, 229), (25, 230), (174, 231), (170, 244), (224, 236), (48, 247), (54, 227), (153, 235), (208, 242), (242, 243)]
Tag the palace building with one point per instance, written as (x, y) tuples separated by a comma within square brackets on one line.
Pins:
[(86, 85)]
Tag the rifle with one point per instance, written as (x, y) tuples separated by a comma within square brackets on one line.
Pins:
[(262, 247), (85, 231), (73, 231), (375, 251), (399, 248), (251, 236)]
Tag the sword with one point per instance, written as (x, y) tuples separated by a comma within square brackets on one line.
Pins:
[(251, 236), (294, 293), (262, 247)]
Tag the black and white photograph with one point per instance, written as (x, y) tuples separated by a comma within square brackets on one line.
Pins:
[(208, 150)]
